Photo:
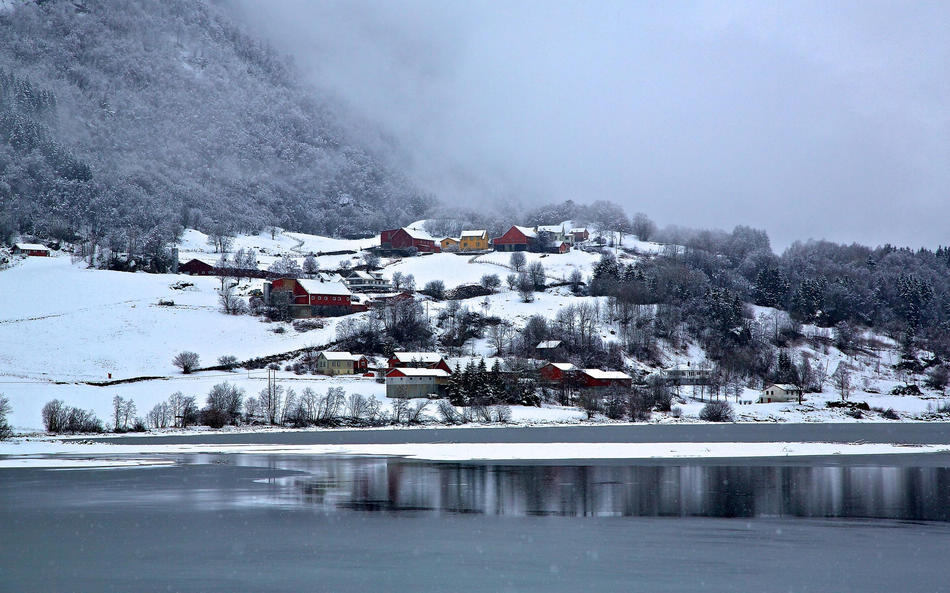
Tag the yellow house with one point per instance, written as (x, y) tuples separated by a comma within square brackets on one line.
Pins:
[(474, 241), (450, 244)]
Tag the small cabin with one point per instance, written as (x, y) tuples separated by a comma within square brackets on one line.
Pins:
[(31, 249)]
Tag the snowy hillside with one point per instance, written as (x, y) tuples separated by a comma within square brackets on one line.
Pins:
[(63, 325)]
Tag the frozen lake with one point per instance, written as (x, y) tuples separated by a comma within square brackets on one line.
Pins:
[(295, 523)]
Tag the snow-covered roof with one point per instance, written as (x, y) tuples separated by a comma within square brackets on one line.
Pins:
[(317, 287), (418, 234), (463, 361), (480, 233), (564, 366), (548, 344), (527, 231), (784, 386), (339, 355), (579, 230), (551, 228), (416, 372), (599, 374), (31, 247), (361, 275), (423, 357)]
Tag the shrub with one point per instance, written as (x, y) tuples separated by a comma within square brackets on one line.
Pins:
[(5, 430), (717, 411), (447, 413), (305, 325), (186, 361), (435, 289), (58, 418), (228, 361)]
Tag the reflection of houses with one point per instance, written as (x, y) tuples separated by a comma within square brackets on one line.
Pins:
[(359, 281), (686, 374), (309, 298), (426, 360), (341, 363), (30, 249), (780, 392), (517, 238), (406, 239), (406, 382)]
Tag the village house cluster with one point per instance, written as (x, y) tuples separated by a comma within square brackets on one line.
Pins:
[(551, 238)]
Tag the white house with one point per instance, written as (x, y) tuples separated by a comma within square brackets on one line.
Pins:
[(780, 392)]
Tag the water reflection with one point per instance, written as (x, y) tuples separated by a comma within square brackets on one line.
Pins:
[(911, 493)]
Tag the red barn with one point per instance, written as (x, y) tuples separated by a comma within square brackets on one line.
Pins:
[(407, 239), (196, 267), (556, 372), (599, 378), (564, 247), (517, 238), (310, 298), (31, 249)]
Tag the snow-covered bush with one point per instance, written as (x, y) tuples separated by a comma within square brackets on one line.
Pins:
[(5, 430), (717, 411)]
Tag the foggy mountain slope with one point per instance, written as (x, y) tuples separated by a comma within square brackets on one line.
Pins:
[(139, 114)]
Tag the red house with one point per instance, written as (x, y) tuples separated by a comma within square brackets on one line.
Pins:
[(196, 267), (310, 298), (564, 247), (580, 234), (408, 238), (517, 238), (598, 378), (424, 360), (556, 372), (31, 249)]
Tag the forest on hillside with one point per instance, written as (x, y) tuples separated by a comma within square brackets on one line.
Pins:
[(122, 122)]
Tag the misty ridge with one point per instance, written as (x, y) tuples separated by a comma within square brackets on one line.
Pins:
[(121, 124)]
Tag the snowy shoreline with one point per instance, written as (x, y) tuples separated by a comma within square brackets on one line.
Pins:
[(63, 453)]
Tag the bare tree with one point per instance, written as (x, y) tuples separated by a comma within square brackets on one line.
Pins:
[(576, 278), (642, 226), (841, 379), (186, 361), (525, 288), (310, 266), (491, 282), (230, 302), (517, 261)]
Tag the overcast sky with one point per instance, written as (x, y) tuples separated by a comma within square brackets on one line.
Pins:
[(810, 120)]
